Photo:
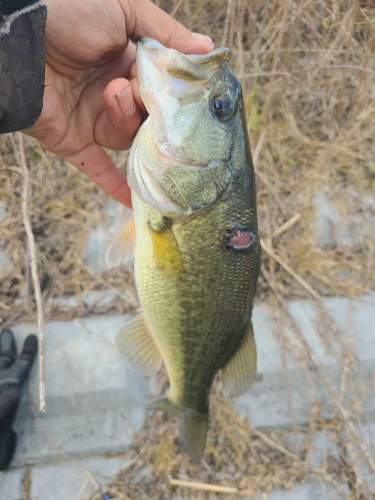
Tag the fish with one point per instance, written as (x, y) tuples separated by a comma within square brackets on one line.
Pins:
[(193, 234)]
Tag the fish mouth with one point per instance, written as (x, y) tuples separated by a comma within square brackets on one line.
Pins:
[(159, 66)]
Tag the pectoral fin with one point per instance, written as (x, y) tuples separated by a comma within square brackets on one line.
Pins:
[(138, 346), (239, 373), (121, 250), (166, 252)]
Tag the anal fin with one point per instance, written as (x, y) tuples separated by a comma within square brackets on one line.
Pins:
[(239, 373), (136, 344)]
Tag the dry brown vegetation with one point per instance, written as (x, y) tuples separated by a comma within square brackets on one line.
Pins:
[(308, 72)]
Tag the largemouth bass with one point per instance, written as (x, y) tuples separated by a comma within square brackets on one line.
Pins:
[(193, 234)]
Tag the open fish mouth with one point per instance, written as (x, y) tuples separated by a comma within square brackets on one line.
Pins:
[(158, 67)]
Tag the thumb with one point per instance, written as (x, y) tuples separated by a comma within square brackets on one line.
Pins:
[(146, 19)]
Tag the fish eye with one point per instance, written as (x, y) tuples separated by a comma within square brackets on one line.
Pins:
[(222, 105)]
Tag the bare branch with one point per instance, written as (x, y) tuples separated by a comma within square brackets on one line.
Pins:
[(203, 486), (21, 159)]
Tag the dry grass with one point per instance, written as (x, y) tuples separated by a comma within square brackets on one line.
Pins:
[(308, 73), (64, 206), (238, 457), (311, 128)]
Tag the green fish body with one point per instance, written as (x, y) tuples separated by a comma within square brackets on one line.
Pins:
[(194, 235)]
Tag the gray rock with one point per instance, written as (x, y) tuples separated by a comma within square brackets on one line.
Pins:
[(11, 487), (113, 217)]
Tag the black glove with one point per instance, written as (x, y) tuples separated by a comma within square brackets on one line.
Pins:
[(13, 375)]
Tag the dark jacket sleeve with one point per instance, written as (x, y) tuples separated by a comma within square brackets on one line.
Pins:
[(22, 63)]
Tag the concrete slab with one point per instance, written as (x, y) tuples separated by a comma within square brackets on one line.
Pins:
[(312, 490), (11, 484), (350, 229), (72, 479), (267, 402), (78, 479), (321, 447), (88, 299), (368, 437), (94, 400)]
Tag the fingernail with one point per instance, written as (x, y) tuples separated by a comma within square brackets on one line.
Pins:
[(203, 38), (126, 102)]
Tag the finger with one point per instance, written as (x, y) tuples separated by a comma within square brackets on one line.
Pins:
[(96, 164), (133, 71), (135, 88), (146, 19), (22, 366), (137, 97), (8, 350), (121, 118)]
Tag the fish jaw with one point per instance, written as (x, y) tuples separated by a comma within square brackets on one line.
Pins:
[(158, 66)]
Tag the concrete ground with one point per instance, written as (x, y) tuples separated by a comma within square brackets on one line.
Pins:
[(95, 402)]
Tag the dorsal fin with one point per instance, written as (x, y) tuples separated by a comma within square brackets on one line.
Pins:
[(121, 250)]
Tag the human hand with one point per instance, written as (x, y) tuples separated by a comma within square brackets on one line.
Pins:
[(91, 99), (13, 375)]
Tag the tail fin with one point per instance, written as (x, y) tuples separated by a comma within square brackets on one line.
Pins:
[(193, 429), (193, 426)]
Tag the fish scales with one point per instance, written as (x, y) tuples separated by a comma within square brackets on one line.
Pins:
[(197, 249), (207, 317)]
